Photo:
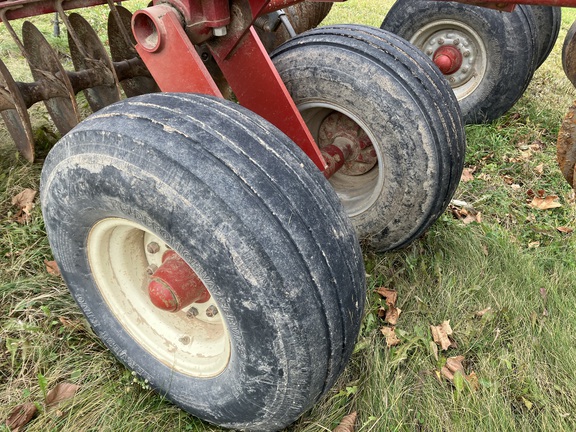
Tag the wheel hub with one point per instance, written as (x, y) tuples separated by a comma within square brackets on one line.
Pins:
[(448, 59), (346, 146), (174, 285), (457, 50)]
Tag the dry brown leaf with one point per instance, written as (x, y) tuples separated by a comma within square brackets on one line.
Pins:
[(472, 217), (539, 169), (483, 312), (467, 174), (391, 338), (545, 203), (534, 245), (454, 365), (392, 315), (441, 333), (24, 198), (347, 424), (52, 268), (565, 230), (20, 416), (388, 294), (25, 203), (60, 393), (473, 381)]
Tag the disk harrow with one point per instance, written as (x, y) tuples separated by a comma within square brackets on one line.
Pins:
[(98, 75)]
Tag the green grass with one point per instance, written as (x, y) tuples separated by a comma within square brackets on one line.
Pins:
[(515, 261)]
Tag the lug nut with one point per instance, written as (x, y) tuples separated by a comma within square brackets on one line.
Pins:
[(192, 312), (151, 269), (152, 247), (211, 311)]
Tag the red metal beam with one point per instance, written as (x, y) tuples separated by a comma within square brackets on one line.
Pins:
[(26, 8)]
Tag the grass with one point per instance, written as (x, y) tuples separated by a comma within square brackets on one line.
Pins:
[(515, 261)]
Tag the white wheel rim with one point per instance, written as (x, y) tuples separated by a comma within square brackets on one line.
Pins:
[(188, 342), (470, 45), (357, 193)]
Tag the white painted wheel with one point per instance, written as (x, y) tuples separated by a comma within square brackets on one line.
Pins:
[(121, 261)]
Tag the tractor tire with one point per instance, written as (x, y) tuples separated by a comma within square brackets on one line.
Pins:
[(249, 213), (386, 89), (548, 21), (494, 53)]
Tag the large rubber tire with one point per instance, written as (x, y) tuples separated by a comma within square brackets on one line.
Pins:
[(548, 21), (252, 216), (403, 104), (497, 50)]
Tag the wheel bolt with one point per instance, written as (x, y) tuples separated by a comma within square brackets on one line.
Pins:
[(429, 52), (211, 311), (152, 247), (466, 53), (440, 41), (151, 269), (192, 312), (456, 42)]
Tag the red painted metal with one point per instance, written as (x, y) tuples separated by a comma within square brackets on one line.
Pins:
[(175, 285), (258, 87), (345, 146), (337, 154), (168, 53), (26, 8), (448, 59)]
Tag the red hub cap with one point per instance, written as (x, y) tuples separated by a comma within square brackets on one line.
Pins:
[(174, 285), (448, 59)]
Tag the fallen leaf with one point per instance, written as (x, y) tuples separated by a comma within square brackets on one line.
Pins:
[(453, 365), (392, 315), (347, 424), (60, 393), (20, 416), (467, 174), (539, 169), (441, 333), (473, 381), (388, 294), (391, 338), (565, 230), (534, 245), (484, 176), (546, 203), (472, 217), (25, 203), (454, 368), (52, 268), (508, 180), (537, 145), (483, 312)]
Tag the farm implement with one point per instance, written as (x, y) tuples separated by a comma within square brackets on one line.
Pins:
[(208, 216)]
